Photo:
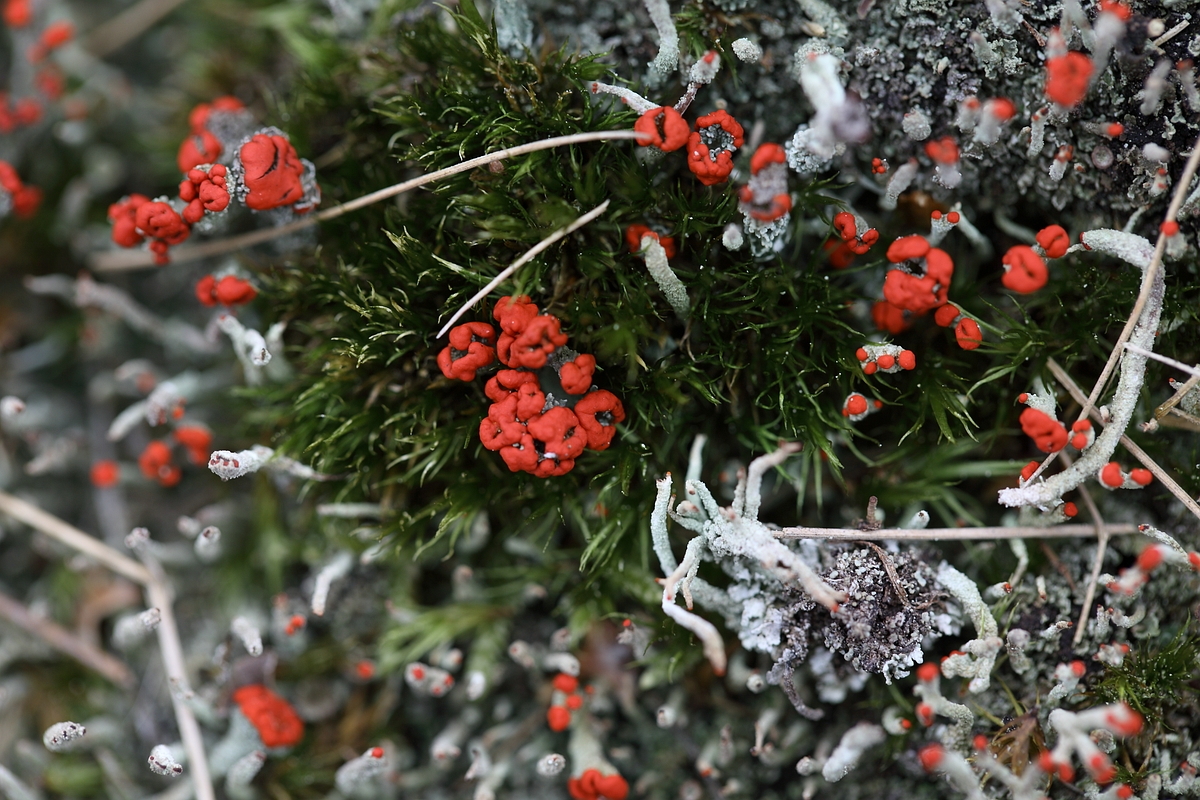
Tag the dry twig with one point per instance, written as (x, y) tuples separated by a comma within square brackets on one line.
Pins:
[(1101, 548), (520, 262), (115, 260), (950, 534), (1181, 190), (158, 595), (66, 642), (1062, 377)]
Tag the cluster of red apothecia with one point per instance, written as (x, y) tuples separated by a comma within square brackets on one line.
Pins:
[(21, 198), (277, 723), (225, 157), (48, 80), (156, 461), (544, 410)]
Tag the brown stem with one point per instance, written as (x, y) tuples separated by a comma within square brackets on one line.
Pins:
[(1062, 377), (66, 642)]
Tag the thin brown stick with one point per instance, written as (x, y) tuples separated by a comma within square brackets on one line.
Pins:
[(158, 595), (115, 260), (127, 26), (951, 534), (1188, 385), (66, 642), (1181, 191), (1130, 446), (1101, 548), (71, 536), (520, 262), (1179, 365)]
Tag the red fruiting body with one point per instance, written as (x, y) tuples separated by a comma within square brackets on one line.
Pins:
[(199, 147), (908, 359), (1149, 558), (1054, 240), (1142, 477), (159, 221), (855, 404), (1169, 228), (196, 439), (105, 474), (946, 315), (927, 673), (885, 361), (861, 354), (1110, 475), (980, 742), (634, 234), (376, 752), (930, 756), (558, 718), (271, 172), (1115, 129), (1028, 470), (1025, 271), (574, 702), (907, 247), (1048, 434), (1101, 768), (1114, 7), (713, 168), (1002, 108), (1070, 510), (591, 785), (1067, 78), (576, 376), (364, 670), (767, 153), (663, 128), (206, 287), (17, 13), (599, 412), (470, 349), (274, 719), (1124, 792), (233, 291), (943, 151), (1124, 721), (155, 463), (124, 219), (888, 318), (968, 334)]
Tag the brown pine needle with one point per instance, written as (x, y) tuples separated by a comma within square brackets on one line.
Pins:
[(116, 260), (952, 534), (1062, 377), (520, 262), (65, 642), (1101, 548), (158, 595), (1181, 190), (1190, 384)]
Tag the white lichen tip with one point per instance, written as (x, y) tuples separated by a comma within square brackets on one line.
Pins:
[(551, 764), (747, 50), (247, 632), (850, 749), (162, 762), (227, 465), (359, 773), (61, 736), (11, 407), (979, 654), (660, 269), (339, 567)]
